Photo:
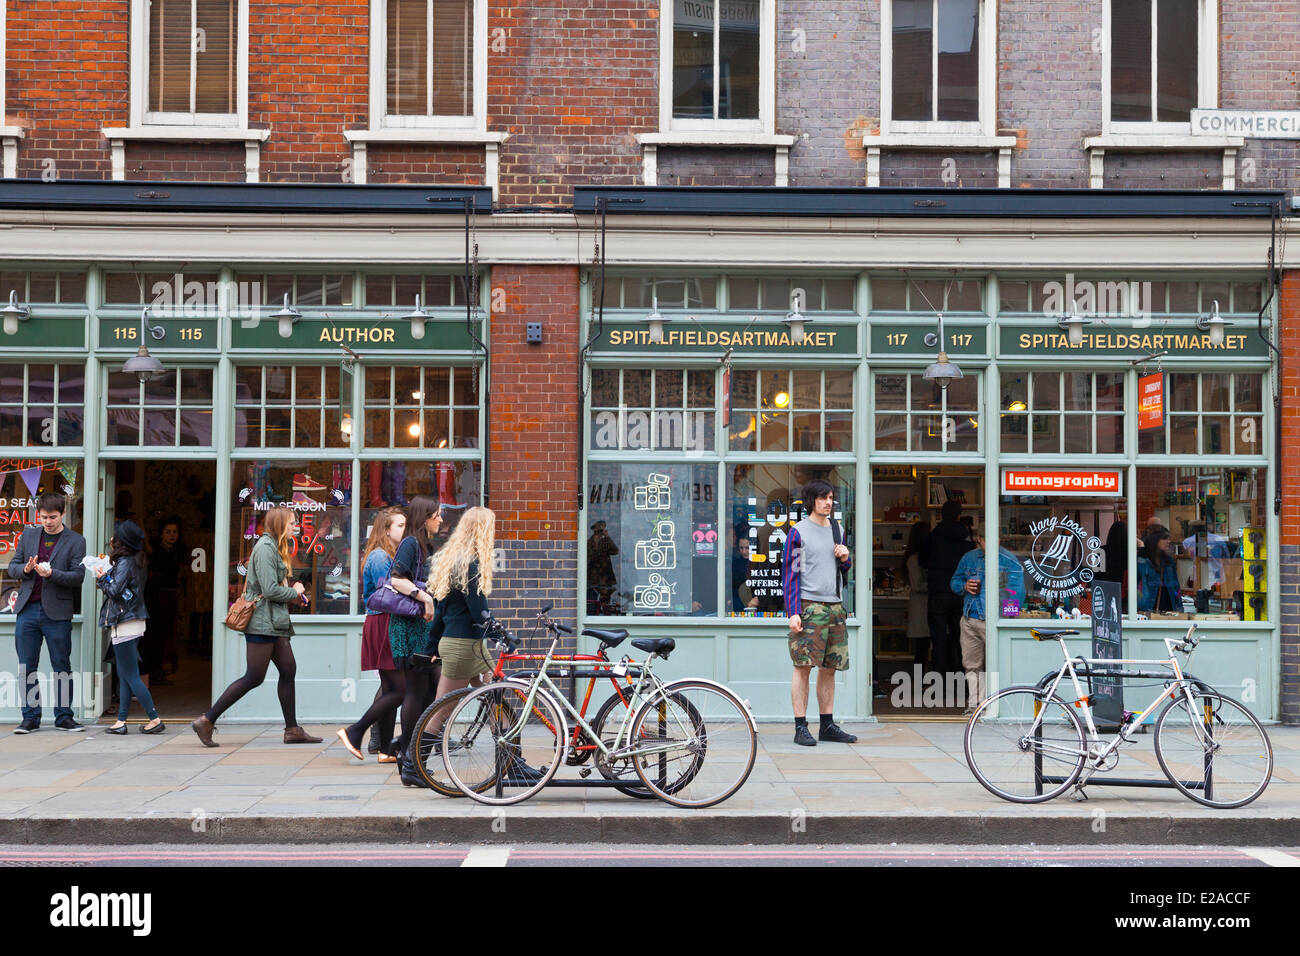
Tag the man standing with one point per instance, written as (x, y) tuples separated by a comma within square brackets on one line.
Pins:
[(48, 562), (948, 541), (815, 556), (968, 581)]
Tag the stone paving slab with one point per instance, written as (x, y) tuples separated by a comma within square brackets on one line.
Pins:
[(902, 782)]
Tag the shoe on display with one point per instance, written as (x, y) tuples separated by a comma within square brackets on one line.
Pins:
[(803, 737), (303, 482), (28, 726), (835, 735)]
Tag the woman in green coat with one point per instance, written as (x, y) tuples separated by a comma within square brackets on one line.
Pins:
[(269, 630)]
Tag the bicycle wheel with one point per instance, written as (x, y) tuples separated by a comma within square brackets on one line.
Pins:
[(499, 751), (1213, 749), (608, 723), (427, 740), (1025, 747), (694, 745)]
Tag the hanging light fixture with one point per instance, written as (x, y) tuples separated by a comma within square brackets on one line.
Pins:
[(656, 320), (1214, 324), (795, 320), (15, 313), (941, 371), (287, 316), (418, 317), (143, 365), (1072, 325)]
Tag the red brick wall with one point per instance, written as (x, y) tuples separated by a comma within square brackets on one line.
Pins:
[(195, 162), (534, 418), (446, 165), (1289, 454)]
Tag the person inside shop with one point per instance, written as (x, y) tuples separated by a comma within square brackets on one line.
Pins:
[(269, 631), (47, 562), (918, 598), (948, 542), (968, 582), (125, 615), (1116, 551), (1158, 590), (166, 566), (813, 569), (742, 595), (601, 579), (1207, 544)]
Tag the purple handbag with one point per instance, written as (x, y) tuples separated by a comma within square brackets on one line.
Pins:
[(385, 599)]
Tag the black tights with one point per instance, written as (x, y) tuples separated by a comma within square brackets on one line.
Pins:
[(392, 689), (418, 682), (259, 656)]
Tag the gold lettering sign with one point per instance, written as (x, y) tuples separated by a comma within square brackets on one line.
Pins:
[(353, 334)]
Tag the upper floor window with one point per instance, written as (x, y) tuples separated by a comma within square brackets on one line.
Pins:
[(428, 63), (1163, 62), (189, 62), (937, 60), (718, 65)]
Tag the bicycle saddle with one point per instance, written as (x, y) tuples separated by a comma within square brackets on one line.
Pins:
[(608, 638), (1048, 635), (663, 646)]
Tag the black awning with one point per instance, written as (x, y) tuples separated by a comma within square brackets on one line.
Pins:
[(899, 201)]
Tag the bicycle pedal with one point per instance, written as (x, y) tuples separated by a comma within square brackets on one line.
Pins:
[(584, 772), (1078, 796)]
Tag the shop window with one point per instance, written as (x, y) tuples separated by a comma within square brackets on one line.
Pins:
[(173, 409), (654, 542), (385, 484), (1203, 543), (775, 294), (652, 409), (1210, 413), (44, 287), (42, 404), (399, 291), (927, 295), (322, 554), (421, 407), (763, 502), (311, 289), (802, 410), (288, 406), (913, 414), (22, 481), (688, 292), (160, 290), (1070, 413)]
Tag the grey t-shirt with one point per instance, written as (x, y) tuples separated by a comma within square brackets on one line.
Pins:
[(818, 569)]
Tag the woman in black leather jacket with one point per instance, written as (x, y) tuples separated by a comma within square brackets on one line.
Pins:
[(125, 616)]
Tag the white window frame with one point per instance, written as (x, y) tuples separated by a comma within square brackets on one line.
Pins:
[(766, 122), (988, 53), (1207, 72), (140, 114), (379, 117)]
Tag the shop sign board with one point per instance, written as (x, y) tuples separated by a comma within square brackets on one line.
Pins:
[(1151, 401), (1187, 342), (1107, 644), (50, 333), (1252, 124), (181, 333), (899, 339), (1096, 483), (752, 338), (360, 335)]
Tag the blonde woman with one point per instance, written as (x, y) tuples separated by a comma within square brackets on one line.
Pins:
[(461, 582), (270, 629)]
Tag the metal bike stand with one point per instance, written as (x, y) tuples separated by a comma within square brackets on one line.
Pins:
[(1084, 670)]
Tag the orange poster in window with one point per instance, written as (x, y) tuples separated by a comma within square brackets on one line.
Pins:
[(1151, 401)]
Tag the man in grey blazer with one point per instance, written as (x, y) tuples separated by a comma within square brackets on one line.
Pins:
[(48, 562)]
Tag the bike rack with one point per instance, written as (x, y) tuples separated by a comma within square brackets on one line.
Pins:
[(1084, 669)]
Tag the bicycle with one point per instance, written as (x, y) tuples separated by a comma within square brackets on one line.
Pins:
[(623, 676), (1210, 746), (692, 742)]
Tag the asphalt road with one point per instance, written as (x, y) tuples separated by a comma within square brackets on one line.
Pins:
[(379, 855)]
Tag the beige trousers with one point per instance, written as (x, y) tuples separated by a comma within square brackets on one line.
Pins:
[(972, 659)]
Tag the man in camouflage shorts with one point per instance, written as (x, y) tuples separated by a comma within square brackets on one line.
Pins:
[(811, 568)]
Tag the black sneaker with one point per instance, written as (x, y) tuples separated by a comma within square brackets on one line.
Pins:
[(28, 726), (68, 724), (804, 737), (835, 735), (373, 746)]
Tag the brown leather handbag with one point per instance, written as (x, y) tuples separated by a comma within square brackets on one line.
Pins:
[(241, 613)]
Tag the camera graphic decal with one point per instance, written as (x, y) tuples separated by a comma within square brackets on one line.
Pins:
[(656, 595), (660, 552), (655, 495)]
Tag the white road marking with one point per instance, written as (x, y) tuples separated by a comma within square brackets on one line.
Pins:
[(1271, 857), (487, 856)]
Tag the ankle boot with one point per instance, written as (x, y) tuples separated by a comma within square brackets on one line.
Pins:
[(406, 770)]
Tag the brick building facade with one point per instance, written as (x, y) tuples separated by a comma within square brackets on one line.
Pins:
[(574, 97)]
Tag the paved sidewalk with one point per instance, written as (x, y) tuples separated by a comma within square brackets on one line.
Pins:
[(902, 782)]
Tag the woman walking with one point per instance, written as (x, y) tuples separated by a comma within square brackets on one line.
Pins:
[(269, 630), (125, 615), (408, 637), (461, 583), (376, 652)]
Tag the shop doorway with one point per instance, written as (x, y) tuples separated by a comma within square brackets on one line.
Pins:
[(924, 519), (174, 502)]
